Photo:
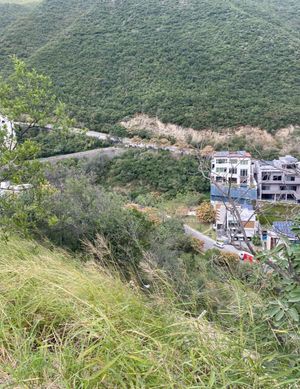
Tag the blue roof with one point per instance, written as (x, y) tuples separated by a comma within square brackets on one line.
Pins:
[(285, 228), (240, 193), (248, 206)]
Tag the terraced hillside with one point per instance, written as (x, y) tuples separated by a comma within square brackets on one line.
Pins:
[(197, 63)]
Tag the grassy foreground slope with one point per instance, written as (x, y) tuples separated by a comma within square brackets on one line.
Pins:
[(73, 326), (198, 63)]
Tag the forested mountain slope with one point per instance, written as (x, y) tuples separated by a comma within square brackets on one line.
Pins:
[(10, 12), (198, 63)]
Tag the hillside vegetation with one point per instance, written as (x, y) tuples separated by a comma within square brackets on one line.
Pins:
[(197, 63), (69, 325), (10, 11)]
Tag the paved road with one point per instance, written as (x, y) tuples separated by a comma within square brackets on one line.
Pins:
[(109, 152), (101, 136), (208, 242), (98, 135), (127, 142)]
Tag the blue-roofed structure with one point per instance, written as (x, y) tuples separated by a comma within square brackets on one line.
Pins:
[(242, 195), (284, 228), (280, 231)]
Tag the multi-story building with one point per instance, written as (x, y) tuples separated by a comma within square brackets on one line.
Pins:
[(228, 225), (232, 176), (278, 180)]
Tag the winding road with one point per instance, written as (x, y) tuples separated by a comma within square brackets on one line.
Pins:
[(111, 152), (208, 242)]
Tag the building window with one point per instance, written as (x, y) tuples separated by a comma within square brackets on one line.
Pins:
[(265, 196), (290, 197), (232, 180), (233, 170), (266, 177), (283, 187), (233, 161), (266, 187), (292, 166), (221, 169), (244, 172), (244, 162), (290, 178), (292, 187), (277, 178), (221, 160)]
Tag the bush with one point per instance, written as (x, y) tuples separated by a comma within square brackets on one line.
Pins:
[(206, 213), (56, 143), (256, 240), (119, 131), (154, 171), (230, 260)]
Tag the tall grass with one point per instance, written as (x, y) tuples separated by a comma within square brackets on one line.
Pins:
[(68, 325)]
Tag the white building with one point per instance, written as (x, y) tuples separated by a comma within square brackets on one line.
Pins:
[(232, 175), (8, 128), (232, 167), (278, 180), (228, 225)]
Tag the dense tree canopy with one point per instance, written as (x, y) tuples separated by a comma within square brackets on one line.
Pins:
[(156, 171), (198, 63)]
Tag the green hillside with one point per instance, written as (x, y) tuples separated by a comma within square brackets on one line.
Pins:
[(11, 11), (198, 63)]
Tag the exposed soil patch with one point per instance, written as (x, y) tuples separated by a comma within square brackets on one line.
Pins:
[(286, 139)]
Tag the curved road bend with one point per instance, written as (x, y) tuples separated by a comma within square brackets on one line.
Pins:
[(112, 152), (208, 242)]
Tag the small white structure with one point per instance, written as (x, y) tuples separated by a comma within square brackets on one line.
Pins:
[(4, 185), (8, 127), (227, 223), (7, 188)]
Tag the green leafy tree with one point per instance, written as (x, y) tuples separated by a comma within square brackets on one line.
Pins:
[(284, 262), (27, 96)]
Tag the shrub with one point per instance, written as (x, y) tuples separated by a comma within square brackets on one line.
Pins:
[(198, 245), (256, 240), (227, 259), (154, 171), (206, 213)]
